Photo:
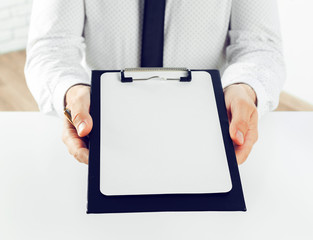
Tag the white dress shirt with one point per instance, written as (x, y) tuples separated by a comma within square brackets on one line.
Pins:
[(69, 38)]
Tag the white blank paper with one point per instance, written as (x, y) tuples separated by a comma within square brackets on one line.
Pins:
[(161, 136)]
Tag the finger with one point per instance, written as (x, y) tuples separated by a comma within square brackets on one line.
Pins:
[(76, 146), (82, 155), (243, 151), (81, 117), (82, 122), (241, 113)]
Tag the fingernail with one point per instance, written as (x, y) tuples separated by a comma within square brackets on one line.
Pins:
[(239, 136), (81, 127)]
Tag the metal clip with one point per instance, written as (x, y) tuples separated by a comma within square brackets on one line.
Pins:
[(134, 74)]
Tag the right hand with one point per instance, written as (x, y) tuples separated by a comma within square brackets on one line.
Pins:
[(77, 99)]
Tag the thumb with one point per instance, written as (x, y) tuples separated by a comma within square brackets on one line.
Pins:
[(81, 119), (239, 124)]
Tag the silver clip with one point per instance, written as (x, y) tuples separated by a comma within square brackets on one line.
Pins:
[(133, 74)]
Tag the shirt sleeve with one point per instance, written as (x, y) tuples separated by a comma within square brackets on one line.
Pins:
[(254, 55), (55, 52)]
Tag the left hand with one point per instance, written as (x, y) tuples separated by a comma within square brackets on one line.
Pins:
[(241, 108)]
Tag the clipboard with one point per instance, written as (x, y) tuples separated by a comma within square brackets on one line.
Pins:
[(119, 97)]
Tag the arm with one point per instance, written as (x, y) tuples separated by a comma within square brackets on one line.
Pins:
[(254, 54), (54, 52), (255, 72), (53, 67)]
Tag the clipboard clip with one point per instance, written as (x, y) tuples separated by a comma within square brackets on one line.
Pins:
[(138, 74)]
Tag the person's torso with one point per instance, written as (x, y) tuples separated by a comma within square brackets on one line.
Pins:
[(195, 33)]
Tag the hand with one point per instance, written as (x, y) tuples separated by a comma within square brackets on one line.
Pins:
[(78, 101), (242, 112)]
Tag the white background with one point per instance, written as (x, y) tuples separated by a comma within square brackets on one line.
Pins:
[(297, 31), (43, 190), (14, 22)]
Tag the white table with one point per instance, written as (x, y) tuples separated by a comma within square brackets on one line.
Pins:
[(43, 190)]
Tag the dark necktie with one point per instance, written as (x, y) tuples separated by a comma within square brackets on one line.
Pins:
[(153, 33)]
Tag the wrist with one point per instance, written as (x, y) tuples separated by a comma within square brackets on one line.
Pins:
[(74, 91), (249, 90)]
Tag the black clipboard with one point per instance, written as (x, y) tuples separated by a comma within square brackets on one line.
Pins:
[(99, 203)]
